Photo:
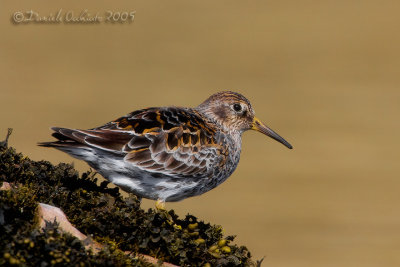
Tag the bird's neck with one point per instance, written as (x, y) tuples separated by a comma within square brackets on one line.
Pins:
[(233, 141), (236, 143), (217, 121)]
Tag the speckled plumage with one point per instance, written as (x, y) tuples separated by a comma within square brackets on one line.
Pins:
[(167, 153)]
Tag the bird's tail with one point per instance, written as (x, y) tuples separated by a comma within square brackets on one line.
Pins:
[(64, 139)]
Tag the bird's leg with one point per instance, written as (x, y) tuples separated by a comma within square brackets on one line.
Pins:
[(160, 205)]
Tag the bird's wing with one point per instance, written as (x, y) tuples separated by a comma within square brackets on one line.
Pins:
[(171, 141)]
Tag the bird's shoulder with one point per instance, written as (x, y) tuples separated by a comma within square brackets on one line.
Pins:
[(155, 120)]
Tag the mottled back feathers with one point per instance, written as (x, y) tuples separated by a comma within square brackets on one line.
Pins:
[(173, 141)]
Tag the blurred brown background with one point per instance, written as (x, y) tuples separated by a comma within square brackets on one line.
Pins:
[(324, 74)]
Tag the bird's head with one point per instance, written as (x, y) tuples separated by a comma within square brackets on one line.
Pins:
[(233, 112)]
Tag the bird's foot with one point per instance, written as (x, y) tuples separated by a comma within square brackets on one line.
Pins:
[(160, 207)]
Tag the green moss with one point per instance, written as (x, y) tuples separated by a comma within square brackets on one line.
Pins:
[(22, 244), (102, 212)]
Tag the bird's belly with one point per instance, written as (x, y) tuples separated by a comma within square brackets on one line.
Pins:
[(143, 183), (163, 188), (150, 185)]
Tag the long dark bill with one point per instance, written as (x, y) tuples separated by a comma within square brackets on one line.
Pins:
[(262, 128)]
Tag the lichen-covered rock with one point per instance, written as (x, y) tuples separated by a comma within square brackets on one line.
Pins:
[(100, 212)]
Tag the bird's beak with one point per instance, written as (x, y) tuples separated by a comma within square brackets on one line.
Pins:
[(262, 128)]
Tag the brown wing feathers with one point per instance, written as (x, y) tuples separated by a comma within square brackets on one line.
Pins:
[(176, 138), (164, 140)]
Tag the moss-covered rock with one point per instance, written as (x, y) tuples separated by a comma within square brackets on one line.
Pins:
[(101, 212)]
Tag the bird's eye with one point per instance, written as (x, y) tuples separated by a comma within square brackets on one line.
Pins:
[(237, 107)]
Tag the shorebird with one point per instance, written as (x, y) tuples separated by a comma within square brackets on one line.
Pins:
[(167, 153)]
